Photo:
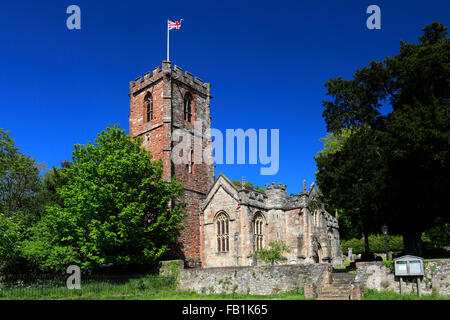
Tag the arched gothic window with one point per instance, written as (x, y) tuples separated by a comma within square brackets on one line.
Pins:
[(223, 233), (258, 226), (149, 107), (188, 107)]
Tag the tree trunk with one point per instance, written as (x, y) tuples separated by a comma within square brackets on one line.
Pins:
[(366, 243), (412, 242)]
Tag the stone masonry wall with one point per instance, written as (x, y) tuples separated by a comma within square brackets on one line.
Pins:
[(262, 280), (228, 205), (374, 275), (167, 88)]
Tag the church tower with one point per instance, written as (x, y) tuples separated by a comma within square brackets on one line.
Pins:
[(161, 102)]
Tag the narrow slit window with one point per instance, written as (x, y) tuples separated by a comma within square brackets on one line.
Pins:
[(190, 165), (223, 238), (188, 107), (149, 107)]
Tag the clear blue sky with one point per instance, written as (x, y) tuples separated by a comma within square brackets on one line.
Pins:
[(267, 62)]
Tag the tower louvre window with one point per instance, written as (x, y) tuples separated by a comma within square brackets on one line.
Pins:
[(149, 107), (223, 229), (188, 107), (191, 162)]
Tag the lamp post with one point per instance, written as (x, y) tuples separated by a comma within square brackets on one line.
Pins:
[(384, 229)]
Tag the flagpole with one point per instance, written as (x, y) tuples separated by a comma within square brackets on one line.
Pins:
[(167, 26)]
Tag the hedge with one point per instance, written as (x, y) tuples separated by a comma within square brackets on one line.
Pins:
[(376, 244)]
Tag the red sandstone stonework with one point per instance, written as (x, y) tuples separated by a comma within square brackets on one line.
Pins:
[(168, 87)]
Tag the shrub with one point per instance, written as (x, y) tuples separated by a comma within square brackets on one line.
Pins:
[(260, 189), (376, 244), (249, 185), (236, 183), (274, 253)]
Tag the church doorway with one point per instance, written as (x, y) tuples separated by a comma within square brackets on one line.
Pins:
[(317, 253)]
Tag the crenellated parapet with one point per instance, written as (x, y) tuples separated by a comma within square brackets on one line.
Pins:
[(276, 195), (312, 237), (252, 197), (273, 186), (176, 73)]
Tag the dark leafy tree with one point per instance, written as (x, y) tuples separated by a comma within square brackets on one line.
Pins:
[(411, 183), (353, 179)]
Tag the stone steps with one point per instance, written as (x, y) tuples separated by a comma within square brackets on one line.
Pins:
[(332, 288), (341, 282), (343, 277), (333, 298), (341, 293), (335, 288), (334, 295), (338, 289)]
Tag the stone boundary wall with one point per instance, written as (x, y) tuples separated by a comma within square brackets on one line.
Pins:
[(259, 280), (375, 275)]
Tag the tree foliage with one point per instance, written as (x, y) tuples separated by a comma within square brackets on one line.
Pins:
[(333, 142), (114, 208), (10, 237), (20, 201), (393, 168), (438, 236), (20, 183), (273, 254), (248, 185), (53, 180), (354, 179), (376, 243)]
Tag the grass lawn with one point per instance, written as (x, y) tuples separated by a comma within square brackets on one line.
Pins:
[(390, 295), (151, 287), (155, 287)]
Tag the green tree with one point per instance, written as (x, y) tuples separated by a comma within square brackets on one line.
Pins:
[(406, 153), (333, 142), (20, 183), (10, 237), (438, 236), (7, 150), (353, 180), (273, 254), (116, 209), (53, 180), (20, 202)]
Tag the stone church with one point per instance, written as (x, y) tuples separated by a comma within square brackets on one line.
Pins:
[(225, 223)]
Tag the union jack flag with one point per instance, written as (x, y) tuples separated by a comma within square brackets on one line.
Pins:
[(174, 25)]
